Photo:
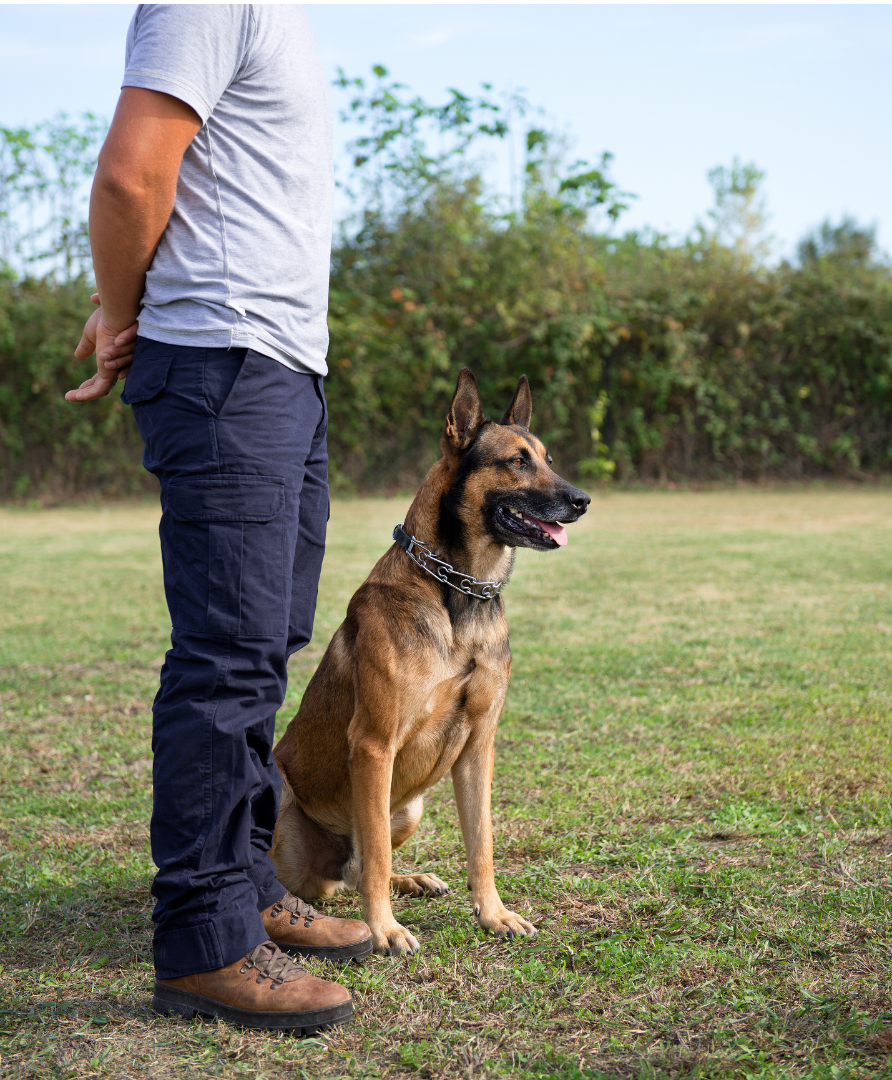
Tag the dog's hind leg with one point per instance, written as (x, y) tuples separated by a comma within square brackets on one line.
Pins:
[(309, 861), (402, 825), (405, 821)]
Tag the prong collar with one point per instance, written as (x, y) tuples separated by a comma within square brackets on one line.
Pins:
[(443, 571)]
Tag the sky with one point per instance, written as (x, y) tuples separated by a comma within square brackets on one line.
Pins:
[(804, 91)]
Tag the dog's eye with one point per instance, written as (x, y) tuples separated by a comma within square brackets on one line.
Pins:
[(549, 460), (518, 461)]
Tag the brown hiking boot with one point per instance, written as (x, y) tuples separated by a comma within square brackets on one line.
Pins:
[(300, 930), (265, 989)]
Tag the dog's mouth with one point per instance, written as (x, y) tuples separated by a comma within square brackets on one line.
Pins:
[(544, 534)]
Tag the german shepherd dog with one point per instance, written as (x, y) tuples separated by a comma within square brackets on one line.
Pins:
[(413, 681)]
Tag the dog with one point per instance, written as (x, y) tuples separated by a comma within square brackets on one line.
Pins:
[(413, 681)]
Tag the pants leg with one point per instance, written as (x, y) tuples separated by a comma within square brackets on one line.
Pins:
[(310, 547), (306, 567), (233, 437)]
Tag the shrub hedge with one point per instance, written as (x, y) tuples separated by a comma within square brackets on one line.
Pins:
[(50, 448), (646, 360)]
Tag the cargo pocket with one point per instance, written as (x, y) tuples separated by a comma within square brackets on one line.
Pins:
[(229, 537), (146, 380)]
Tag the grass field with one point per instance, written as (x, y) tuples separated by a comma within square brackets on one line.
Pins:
[(692, 802)]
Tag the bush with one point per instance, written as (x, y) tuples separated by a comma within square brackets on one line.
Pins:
[(668, 362), (48, 446)]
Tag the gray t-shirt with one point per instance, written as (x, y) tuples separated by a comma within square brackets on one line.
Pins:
[(244, 260)]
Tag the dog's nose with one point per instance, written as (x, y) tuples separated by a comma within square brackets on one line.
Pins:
[(579, 501)]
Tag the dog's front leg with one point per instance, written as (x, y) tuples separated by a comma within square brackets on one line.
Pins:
[(371, 773), (472, 781)]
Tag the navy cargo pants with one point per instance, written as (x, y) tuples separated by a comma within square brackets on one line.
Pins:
[(238, 443)]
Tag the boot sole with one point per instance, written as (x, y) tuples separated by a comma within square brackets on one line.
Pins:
[(342, 954), (184, 1003)]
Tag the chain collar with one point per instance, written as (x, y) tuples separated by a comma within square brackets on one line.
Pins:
[(421, 554)]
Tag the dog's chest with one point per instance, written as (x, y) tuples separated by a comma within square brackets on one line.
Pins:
[(448, 707)]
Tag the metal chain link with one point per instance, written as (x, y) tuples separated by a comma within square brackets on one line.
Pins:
[(444, 570)]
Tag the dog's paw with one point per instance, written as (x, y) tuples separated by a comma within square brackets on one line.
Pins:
[(504, 923), (393, 939), (418, 885)]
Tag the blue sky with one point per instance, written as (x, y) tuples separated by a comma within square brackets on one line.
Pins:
[(805, 91)]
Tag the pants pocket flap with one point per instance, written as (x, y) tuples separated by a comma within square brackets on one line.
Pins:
[(147, 378), (227, 497)]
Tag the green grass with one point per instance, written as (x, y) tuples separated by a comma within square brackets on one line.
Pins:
[(692, 802)]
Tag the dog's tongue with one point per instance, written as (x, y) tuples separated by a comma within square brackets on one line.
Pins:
[(557, 532)]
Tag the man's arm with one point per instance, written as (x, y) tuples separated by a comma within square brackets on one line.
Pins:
[(132, 197)]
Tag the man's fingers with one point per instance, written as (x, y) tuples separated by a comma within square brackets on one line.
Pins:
[(116, 356), (84, 348), (72, 394), (95, 299), (89, 336), (112, 349), (116, 353), (96, 387), (128, 335)]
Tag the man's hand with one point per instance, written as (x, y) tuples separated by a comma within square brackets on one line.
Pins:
[(132, 197), (113, 355)]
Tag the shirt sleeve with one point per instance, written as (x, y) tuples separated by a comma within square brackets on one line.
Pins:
[(191, 51)]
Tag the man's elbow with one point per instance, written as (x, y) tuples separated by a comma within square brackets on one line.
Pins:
[(131, 184)]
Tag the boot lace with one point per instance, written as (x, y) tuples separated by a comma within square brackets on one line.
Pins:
[(271, 963), (297, 908)]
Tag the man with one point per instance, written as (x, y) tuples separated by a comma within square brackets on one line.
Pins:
[(210, 222)]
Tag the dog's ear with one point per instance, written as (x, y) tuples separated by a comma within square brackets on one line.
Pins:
[(465, 417), (521, 408)]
